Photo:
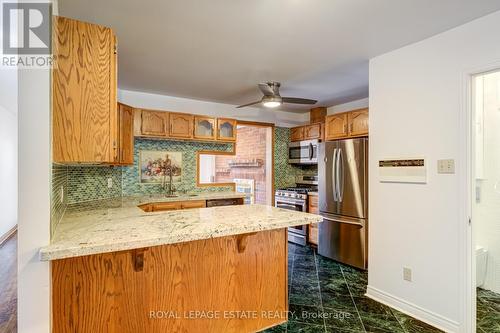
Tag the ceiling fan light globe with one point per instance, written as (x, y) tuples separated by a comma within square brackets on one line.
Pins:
[(271, 104)]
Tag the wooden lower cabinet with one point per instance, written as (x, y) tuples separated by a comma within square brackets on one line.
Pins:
[(175, 205), (193, 204), (159, 289), (313, 208)]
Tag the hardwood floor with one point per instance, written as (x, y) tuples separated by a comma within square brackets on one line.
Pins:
[(8, 285)]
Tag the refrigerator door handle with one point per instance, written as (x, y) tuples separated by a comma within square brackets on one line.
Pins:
[(334, 175), (343, 220), (340, 175)]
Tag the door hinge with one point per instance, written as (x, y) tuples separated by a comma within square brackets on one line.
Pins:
[(469, 220)]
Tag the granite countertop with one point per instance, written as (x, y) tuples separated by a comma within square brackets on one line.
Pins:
[(124, 226)]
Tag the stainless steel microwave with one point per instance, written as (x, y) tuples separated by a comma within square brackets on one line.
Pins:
[(303, 152)]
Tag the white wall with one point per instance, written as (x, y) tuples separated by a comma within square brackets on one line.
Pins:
[(354, 105), (487, 209), (416, 109), (177, 104), (33, 284), (8, 150)]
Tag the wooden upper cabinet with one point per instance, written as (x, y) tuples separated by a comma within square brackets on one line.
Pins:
[(226, 129), (204, 128), (358, 122), (336, 126), (181, 125), (312, 132), (84, 108), (126, 142), (154, 123), (297, 133)]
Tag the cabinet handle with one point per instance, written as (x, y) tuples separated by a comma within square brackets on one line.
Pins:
[(345, 128), (352, 127)]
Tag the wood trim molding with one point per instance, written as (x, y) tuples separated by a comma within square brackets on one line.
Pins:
[(254, 123), (8, 235), (212, 152)]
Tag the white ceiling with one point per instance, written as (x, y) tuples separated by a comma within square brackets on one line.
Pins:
[(218, 50)]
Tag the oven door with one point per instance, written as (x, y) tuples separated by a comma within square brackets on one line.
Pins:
[(297, 234), (303, 152)]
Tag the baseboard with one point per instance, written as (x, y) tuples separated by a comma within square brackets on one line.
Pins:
[(7, 235), (413, 310)]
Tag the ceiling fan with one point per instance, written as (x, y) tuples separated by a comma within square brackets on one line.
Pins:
[(272, 98)]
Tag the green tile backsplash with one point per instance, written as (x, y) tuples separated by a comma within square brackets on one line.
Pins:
[(284, 173)]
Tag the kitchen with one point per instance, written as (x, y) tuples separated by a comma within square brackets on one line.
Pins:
[(164, 187)]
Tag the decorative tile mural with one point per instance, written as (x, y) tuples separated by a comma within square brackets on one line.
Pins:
[(131, 184), (157, 166)]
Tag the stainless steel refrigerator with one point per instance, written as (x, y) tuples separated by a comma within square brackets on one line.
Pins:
[(343, 201)]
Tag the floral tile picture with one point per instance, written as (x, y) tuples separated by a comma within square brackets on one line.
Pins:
[(158, 166)]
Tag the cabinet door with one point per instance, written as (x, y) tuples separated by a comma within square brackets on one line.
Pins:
[(126, 115), (84, 107), (358, 122), (154, 123), (194, 204), (181, 125), (226, 129), (165, 206), (313, 228), (312, 132), (204, 128), (297, 134), (336, 126)]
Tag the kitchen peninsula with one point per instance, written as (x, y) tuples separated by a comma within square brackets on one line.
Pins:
[(122, 269)]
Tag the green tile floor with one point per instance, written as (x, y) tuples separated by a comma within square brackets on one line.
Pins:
[(488, 311), (326, 296)]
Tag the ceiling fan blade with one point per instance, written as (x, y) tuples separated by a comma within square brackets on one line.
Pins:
[(244, 105), (266, 89), (295, 100)]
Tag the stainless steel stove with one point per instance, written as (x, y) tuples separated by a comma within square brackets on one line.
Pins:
[(295, 198)]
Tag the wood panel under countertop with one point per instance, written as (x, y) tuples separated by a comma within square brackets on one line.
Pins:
[(113, 292)]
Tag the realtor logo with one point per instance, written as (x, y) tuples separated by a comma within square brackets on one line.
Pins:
[(26, 28)]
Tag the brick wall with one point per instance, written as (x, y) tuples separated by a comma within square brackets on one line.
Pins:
[(251, 145)]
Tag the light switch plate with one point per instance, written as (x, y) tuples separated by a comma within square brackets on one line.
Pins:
[(110, 182), (407, 274), (446, 166)]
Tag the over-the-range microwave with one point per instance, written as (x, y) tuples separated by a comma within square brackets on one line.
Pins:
[(303, 152)]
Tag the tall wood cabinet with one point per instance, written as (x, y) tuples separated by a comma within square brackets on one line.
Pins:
[(85, 123)]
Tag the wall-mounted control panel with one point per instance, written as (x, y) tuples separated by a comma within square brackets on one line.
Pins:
[(403, 170)]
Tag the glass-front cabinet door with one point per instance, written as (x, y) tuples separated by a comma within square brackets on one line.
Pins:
[(204, 128), (226, 129)]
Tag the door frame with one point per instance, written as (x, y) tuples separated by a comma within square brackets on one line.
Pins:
[(467, 242), (273, 127)]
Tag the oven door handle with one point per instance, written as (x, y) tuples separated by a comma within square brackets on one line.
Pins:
[(281, 205)]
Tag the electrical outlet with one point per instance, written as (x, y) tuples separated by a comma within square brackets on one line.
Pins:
[(446, 166), (407, 274), (61, 191), (110, 182)]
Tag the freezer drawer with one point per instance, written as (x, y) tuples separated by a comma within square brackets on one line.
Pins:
[(344, 240)]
